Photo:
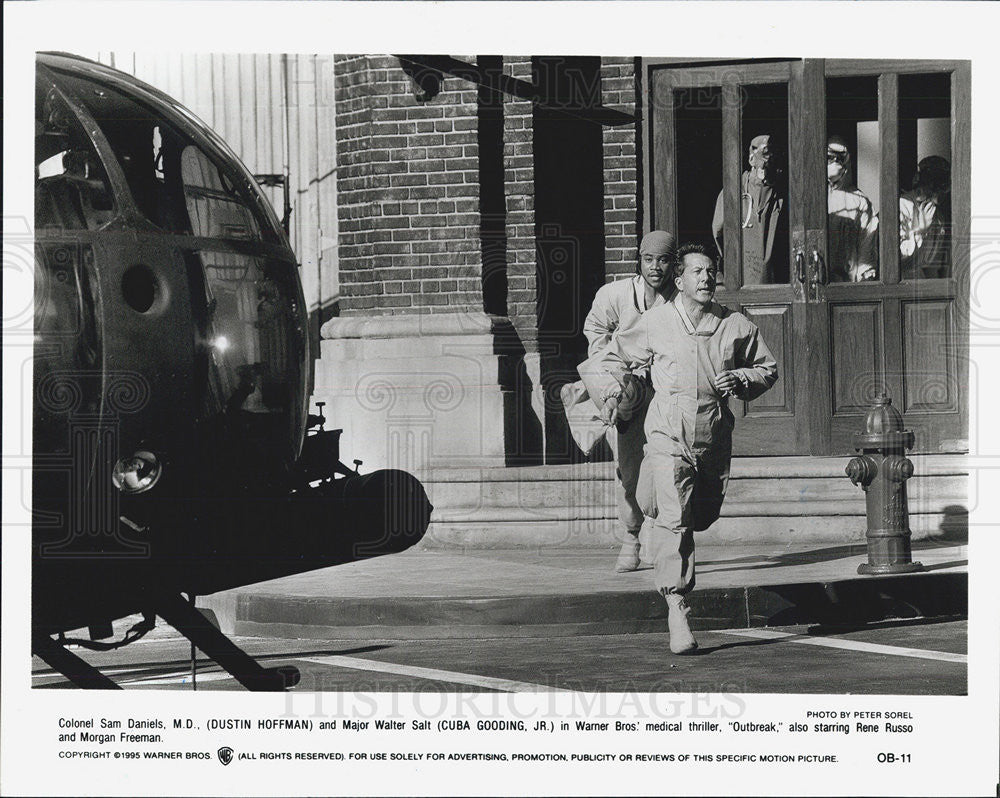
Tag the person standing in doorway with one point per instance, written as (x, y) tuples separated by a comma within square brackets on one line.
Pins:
[(925, 221), (852, 224), (763, 218)]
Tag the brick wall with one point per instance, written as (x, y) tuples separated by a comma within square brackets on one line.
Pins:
[(620, 174), (408, 192), (519, 180), (408, 188)]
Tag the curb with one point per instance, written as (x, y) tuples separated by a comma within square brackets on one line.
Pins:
[(834, 603)]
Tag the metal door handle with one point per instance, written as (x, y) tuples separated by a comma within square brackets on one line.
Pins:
[(819, 268), (800, 265)]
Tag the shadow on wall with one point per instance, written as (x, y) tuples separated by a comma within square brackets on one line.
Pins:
[(317, 318), (568, 152), (523, 435)]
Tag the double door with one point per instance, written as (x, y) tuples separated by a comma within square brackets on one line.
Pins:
[(849, 250)]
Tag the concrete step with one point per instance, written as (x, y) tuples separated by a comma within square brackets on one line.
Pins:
[(743, 530), (732, 508), (554, 498), (803, 499), (742, 468)]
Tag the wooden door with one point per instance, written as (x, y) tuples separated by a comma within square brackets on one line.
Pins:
[(702, 120), (904, 331), (838, 343)]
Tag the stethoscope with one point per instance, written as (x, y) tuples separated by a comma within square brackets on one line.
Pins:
[(747, 223)]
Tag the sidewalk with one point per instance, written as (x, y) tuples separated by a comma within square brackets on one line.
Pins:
[(451, 593)]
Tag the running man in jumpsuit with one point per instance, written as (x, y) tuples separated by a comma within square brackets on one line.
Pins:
[(700, 354), (618, 306)]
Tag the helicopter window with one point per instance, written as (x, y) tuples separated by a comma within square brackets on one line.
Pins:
[(213, 204), (71, 187), (158, 154), (174, 183), (250, 363)]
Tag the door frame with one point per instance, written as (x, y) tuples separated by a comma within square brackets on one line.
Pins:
[(893, 293), (816, 430), (783, 430)]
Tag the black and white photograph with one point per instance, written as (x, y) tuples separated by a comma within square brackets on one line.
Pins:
[(605, 416)]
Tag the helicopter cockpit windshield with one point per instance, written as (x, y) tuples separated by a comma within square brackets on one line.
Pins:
[(245, 302), (71, 186)]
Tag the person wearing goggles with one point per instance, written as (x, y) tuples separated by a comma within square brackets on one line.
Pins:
[(852, 224)]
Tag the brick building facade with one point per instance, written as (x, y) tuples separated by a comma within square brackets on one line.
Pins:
[(408, 192), (481, 202), (621, 189)]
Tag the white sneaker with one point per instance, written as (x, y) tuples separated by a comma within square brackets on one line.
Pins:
[(628, 557), (681, 639)]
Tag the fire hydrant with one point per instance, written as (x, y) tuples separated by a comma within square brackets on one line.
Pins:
[(881, 470)]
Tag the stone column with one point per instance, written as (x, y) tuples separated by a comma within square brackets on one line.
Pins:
[(415, 370)]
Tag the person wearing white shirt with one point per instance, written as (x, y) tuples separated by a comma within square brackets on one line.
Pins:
[(852, 224)]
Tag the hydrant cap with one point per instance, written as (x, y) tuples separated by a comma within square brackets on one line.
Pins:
[(883, 427)]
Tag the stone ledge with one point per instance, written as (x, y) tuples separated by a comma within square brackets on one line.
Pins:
[(805, 467), (409, 325), (590, 533)]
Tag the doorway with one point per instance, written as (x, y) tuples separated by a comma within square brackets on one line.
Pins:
[(845, 305)]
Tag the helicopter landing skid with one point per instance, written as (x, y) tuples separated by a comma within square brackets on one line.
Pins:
[(195, 627)]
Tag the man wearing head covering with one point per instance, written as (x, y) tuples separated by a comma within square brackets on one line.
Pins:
[(699, 354), (763, 222), (852, 224), (617, 307), (925, 221)]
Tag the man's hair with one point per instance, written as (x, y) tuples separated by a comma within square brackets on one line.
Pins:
[(690, 249), (933, 174)]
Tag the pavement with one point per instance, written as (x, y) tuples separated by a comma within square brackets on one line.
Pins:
[(558, 591), (892, 658)]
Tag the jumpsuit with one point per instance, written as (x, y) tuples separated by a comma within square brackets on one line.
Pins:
[(685, 471), (617, 306)]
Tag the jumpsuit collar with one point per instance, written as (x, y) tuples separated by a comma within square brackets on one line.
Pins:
[(639, 295), (708, 324)]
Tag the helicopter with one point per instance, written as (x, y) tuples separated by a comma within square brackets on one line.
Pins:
[(174, 453)]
